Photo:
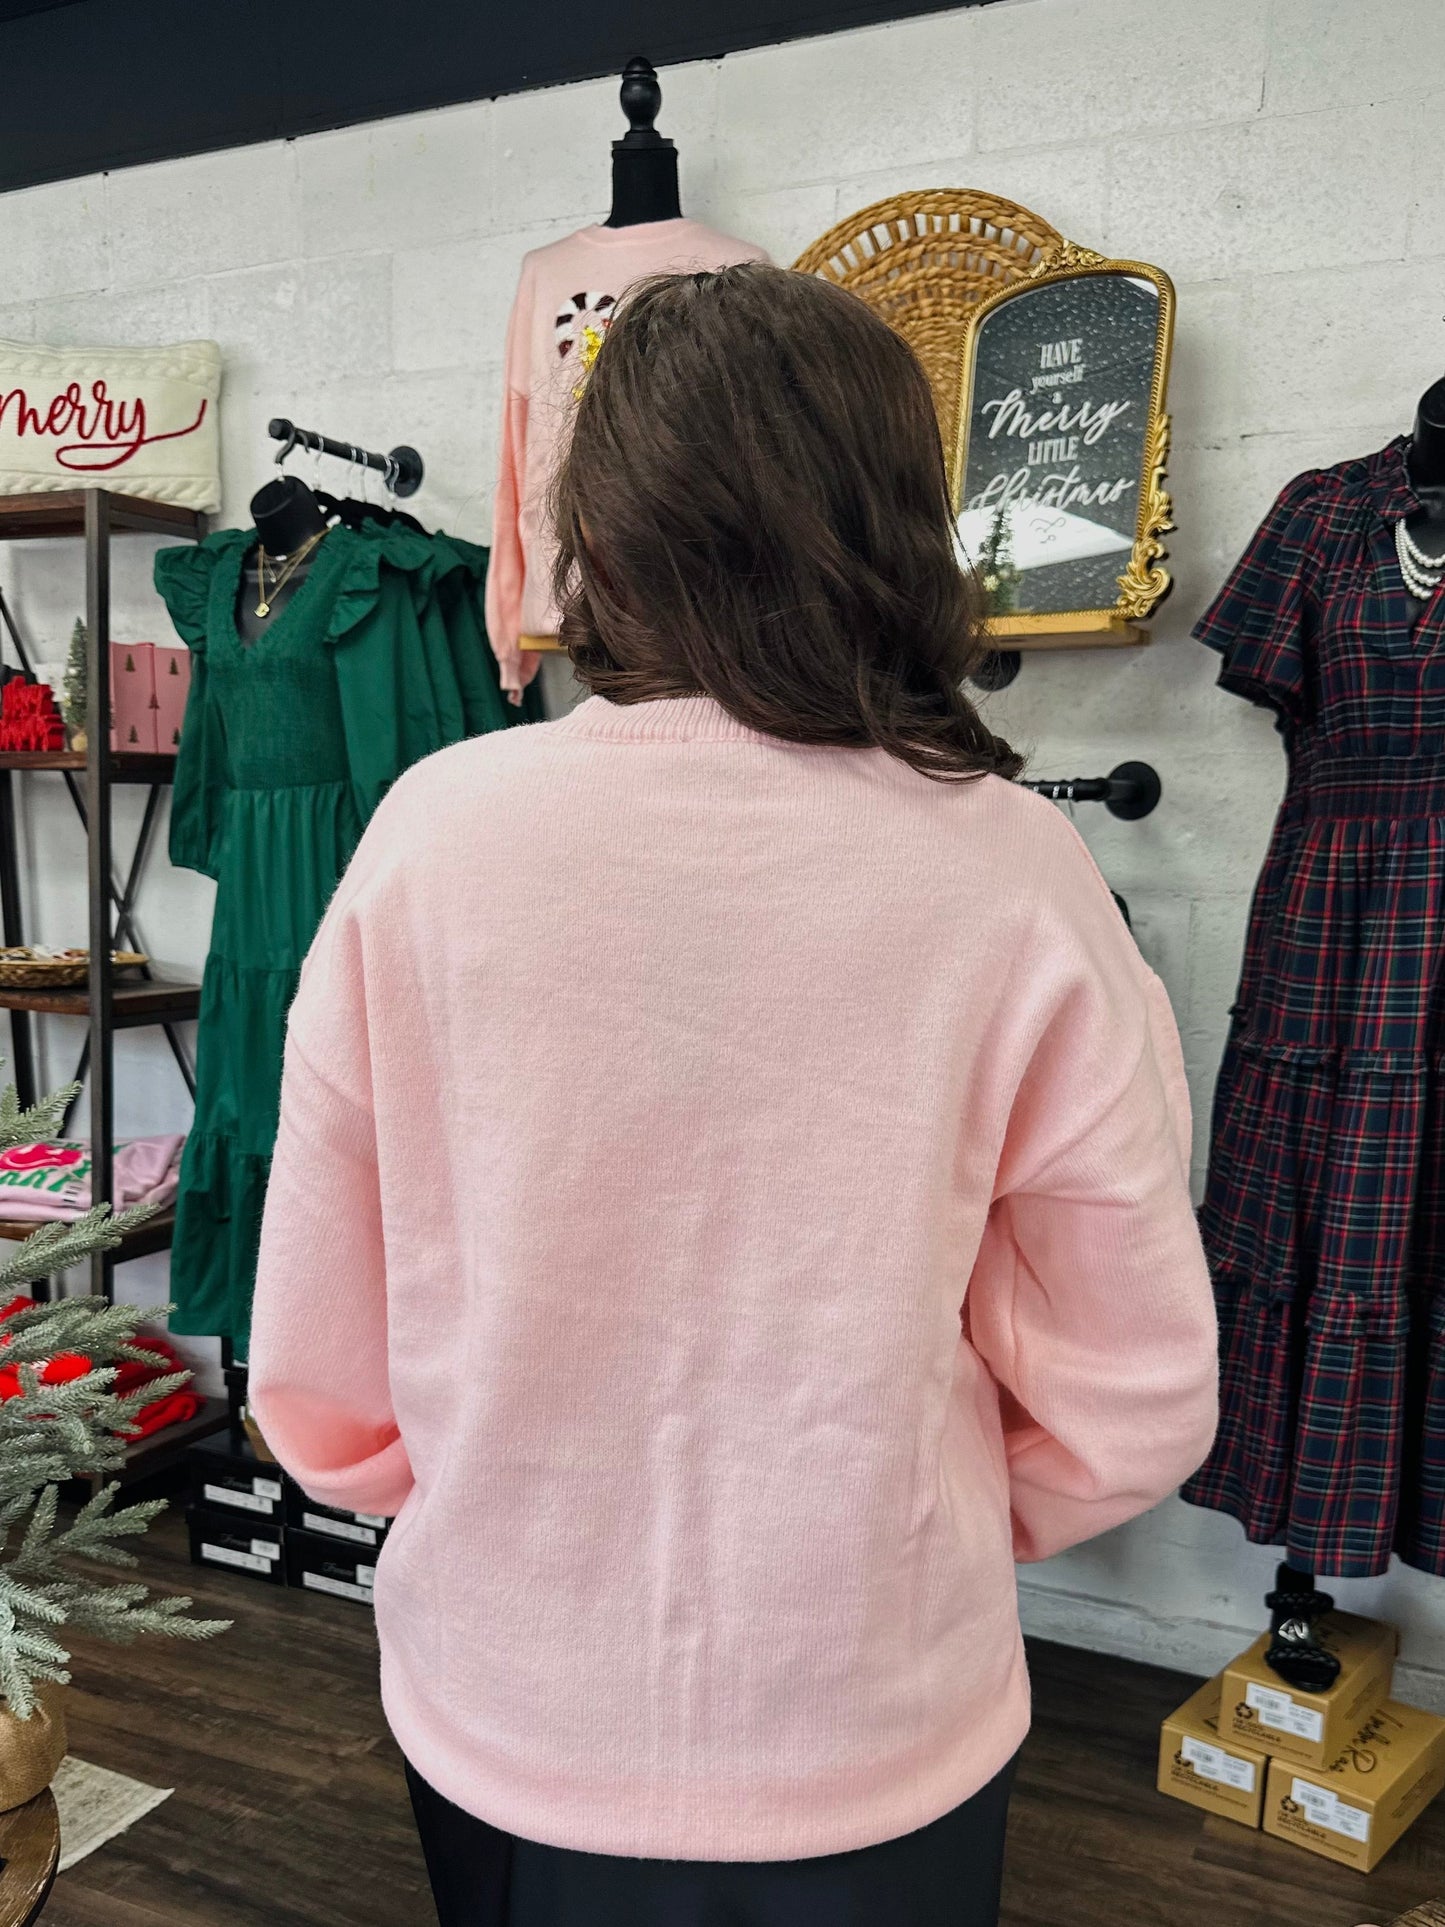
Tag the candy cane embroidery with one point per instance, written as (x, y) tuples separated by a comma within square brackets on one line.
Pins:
[(585, 334), (600, 305)]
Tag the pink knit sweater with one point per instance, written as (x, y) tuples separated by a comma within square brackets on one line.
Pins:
[(730, 1203), (566, 297)]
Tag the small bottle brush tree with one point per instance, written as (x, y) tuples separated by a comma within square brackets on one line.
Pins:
[(997, 574), (67, 1421), (73, 706)]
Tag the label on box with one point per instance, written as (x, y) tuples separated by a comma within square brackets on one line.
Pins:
[(1213, 1763), (376, 1519), (266, 1549), (366, 1575), (266, 1488), (320, 1582), (338, 1528), (1327, 1809), (247, 1501), (228, 1556), (1279, 1710)]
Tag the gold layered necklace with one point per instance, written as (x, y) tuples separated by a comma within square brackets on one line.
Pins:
[(283, 574)]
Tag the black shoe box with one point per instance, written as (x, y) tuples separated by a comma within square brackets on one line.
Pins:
[(318, 1564), (227, 1475), (356, 1530), (233, 1543)]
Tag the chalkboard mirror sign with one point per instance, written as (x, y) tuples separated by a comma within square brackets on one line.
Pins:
[(1058, 466)]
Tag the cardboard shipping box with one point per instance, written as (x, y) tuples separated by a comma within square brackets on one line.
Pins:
[(1197, 1766), (1356, 1808), (1258, 1709)]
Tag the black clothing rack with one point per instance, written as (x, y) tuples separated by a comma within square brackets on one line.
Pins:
[(402, 469), (1130, 791)]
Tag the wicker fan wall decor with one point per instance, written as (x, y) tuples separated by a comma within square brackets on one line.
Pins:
[(923, 260)]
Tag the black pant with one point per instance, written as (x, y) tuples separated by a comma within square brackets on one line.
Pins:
[(946, 1874)]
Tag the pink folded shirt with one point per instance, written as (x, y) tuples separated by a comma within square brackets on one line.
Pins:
[(53, 1180)]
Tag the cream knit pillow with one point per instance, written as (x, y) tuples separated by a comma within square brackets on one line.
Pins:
[(141, 421)]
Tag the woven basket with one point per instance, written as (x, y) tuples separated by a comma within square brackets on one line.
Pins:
[(31, 1750), (922, 261), (23, 970)]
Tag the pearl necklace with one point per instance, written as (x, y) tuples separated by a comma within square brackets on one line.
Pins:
[(1422, 572)]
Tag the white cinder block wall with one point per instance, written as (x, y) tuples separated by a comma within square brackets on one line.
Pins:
[(1282, 159)]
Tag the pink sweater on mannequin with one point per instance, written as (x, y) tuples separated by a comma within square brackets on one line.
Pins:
[(722, 1322), (567, 293)]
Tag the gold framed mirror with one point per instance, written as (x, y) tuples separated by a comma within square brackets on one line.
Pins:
[(924, 260), (1058, 459)]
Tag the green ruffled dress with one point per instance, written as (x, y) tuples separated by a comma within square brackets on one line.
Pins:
[(290, 742)]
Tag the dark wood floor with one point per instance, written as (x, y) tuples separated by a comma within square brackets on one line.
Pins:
[(289, 1808)]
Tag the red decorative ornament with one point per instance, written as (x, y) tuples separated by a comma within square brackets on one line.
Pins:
[(29, 719)]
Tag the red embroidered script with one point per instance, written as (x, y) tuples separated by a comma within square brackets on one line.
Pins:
[(107, 433)]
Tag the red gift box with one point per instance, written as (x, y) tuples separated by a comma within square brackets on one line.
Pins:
[(132, 697), (173, 686)]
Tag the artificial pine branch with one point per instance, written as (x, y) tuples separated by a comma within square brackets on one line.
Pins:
[(51, 1433), (105, 1330), (95, 1530), (65, 1242), (37, 1125)]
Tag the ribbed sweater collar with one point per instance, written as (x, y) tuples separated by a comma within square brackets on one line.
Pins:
[(668, 719)]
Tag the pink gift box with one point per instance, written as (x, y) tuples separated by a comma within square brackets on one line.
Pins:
[(173, 686), (132, 697)]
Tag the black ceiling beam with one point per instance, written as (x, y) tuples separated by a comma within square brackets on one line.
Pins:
[(97, 84)]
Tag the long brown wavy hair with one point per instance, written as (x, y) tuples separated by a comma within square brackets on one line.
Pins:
[(754, 507)]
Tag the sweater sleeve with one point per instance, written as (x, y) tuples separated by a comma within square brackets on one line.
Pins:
[(319, 1379), (1091, 1300), (507, 570)]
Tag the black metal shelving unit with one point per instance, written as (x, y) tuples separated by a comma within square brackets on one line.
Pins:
[(107, 1004)]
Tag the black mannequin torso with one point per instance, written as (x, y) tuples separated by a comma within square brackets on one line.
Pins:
[(1425, 460), (287, 517), (644, 164)]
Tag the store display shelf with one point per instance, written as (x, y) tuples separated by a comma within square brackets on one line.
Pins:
[(162, 1450), (23, 517), (94, 516), (1091, 630), (131, 1004), (143, 768), (154, 1235)]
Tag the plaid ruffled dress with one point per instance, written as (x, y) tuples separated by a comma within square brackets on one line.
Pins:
[(1324, 1214)]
